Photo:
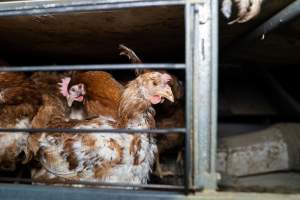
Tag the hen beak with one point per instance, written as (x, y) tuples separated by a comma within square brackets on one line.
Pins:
[(167, 93)]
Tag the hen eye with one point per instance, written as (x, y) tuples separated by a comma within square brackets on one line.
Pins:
[(154, 83)]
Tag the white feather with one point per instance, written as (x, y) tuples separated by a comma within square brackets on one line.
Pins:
[(125, 171), (19, 140)]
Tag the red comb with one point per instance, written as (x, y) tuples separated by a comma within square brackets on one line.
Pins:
[(64, 86)]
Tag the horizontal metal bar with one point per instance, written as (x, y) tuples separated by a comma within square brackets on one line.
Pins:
[(21, 191), (68, 130), (38, 192), (51, 6), (91, 67), (98, 183)]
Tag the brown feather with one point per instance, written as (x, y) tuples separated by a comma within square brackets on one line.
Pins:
[(19, 102), (103, 93)]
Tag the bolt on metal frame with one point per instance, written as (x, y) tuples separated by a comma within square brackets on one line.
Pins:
[(201, 27)]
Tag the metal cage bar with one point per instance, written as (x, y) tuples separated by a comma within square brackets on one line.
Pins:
[(96, 130), (97, 184), (189, 97), (204, 61), (9, 191), (50, 6), (91, 67)]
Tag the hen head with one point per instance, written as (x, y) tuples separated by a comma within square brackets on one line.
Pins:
[(72, 93), (154, 87)]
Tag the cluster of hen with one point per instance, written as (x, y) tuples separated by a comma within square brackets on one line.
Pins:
[(88, 100)]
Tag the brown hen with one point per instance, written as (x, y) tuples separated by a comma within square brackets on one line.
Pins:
[(54, 105), (19, 102), (169, 114)]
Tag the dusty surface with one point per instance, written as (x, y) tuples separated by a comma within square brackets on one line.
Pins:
[(288, 182), (269, 150), (156, 34)]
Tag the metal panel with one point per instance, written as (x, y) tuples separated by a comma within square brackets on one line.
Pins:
[(205, 60)]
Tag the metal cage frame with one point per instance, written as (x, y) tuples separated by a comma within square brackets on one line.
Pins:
[(201, 66), (201, 50)]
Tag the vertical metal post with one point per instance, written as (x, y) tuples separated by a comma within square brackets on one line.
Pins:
[(189, 41), (202, 57)]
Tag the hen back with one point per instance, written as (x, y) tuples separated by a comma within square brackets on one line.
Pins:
[(103, 93)]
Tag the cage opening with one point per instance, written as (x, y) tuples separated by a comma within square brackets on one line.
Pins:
[(84, 38)]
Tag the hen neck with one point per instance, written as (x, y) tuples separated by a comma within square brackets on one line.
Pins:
[(134, 110)]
